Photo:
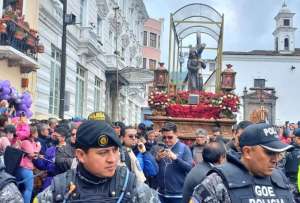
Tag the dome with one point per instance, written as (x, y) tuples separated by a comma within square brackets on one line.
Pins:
[(284, 9)]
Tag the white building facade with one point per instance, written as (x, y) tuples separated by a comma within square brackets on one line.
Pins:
[(280, 67), (103, 40)]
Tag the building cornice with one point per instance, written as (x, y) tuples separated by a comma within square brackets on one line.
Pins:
[(279, 58)]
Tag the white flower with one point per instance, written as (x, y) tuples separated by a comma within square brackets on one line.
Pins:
[(210, 105), (224, 107), (229, 108)]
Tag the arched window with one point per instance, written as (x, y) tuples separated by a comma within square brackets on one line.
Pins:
[(286, 43)]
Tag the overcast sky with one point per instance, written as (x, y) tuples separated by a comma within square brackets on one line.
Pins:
[(248, 23)]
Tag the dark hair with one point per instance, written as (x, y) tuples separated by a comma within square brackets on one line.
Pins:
[(62, 131), (243, 124), (126, 128), (3, 119), (121, 125), (142, 126), (213, 151), (10, 129)]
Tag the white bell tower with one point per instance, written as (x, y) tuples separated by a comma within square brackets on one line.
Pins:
[(284, 34)]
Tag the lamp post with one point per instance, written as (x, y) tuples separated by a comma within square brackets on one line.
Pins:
[(68, 19), (116, 55)]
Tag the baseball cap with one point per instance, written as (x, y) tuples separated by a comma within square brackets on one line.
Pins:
[(169, 126), (264, 135), (96, 134), (297, 132)]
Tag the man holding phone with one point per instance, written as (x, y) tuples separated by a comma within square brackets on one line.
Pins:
[(175, 161)]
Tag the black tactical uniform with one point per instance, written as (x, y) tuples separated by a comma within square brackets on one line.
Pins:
[(121, 187), (292, 161), (233, 183)]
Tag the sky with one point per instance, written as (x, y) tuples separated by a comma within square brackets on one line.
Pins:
[(248, 24)]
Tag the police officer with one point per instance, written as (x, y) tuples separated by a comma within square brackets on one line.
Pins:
[(292, 163), (97, 178), (252, 179)]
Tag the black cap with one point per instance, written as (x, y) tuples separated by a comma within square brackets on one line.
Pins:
[(264, 135), (96, 134), (169, 126), (297, 132)]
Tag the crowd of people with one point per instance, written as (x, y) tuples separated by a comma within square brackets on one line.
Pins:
[(99, 161)]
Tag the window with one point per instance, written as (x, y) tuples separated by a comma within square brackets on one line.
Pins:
[(145, 38), (54, 80), (97, 94), (82, 14), (144, 63), (80, 90), (158, 41), (286, 44), (153, 40), (152, 64), (286, 22), (99, 26)]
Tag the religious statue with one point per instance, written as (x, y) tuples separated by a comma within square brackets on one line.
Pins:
[(194, 63)]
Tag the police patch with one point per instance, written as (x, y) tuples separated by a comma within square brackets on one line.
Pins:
[(102, 140)]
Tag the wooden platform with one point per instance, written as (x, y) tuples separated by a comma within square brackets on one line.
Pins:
[(187, 126)]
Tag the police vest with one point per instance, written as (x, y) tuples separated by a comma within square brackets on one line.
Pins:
[(120, 186), (292, 163), (244, 188)]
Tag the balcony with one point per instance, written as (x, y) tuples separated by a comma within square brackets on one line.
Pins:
[(89, 44), (18, 43), (111, 62)]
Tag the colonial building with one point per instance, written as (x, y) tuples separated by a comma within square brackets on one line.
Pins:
[(151, 41), (19, 44), (279, 67), (105, 41)]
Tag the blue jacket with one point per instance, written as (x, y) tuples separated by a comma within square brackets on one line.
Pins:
[(147, 163), (172, 173)]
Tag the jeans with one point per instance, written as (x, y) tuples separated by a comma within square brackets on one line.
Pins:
[(26, 175), (169, 199)]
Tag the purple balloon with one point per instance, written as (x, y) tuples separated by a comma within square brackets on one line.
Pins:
[(22, 107), (5, 97), (29, 114), (5, 83), (13, 93)]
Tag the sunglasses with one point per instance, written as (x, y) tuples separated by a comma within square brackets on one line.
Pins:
[(168, 137), (73, 134), (132, 136), (270, 153)]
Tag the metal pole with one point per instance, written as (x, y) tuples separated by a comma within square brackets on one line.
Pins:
[(117, 67), (63, 63)]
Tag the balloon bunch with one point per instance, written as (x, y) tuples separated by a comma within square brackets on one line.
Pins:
[(21, 102)]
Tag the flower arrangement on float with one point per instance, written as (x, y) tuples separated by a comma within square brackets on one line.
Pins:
[(211, 105)]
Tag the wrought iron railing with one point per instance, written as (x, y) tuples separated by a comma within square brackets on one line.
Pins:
[(17, 34)]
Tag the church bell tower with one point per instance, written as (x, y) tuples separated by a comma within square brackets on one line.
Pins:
[(284, 34)]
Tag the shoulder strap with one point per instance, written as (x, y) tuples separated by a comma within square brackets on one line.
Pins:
[(122, 184), (61, 182)]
